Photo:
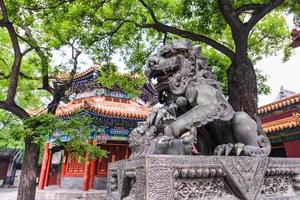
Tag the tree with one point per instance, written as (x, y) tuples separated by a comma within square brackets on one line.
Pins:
[(242, 31), (22, 34), (237, 29), (136, 28), (203, 21)]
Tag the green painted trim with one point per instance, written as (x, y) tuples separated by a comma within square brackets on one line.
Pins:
[(286, 138)]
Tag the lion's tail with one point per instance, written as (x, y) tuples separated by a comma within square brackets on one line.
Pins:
[(262, 138)]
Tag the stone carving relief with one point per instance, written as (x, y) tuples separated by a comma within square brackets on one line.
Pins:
[(246, 174), (206, 188), (170, 177), (276, 185)]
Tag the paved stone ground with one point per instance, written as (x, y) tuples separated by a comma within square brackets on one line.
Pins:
[(8, 193), (54, 193)]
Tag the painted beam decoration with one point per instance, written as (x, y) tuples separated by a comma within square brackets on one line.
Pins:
[(106, 133)]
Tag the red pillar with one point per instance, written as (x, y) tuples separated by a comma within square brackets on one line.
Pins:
[(86, 175), (48, 170), (44, 167), (92, 173), (63, 168)]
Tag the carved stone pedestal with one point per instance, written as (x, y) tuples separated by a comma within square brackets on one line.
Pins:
[(166, 177)]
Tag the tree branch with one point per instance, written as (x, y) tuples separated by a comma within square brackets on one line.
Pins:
[(259, 13), (193, 36), (229, 14), (5, 18), (15, 69), (27, 51), (248, 7), (22, 75), (165, 38), (111, 33), (264, 36), (37, 7), (15, 109), (182, 33), (151, 12), (4, 61), (75, 54), (60, 89), (44, 60)]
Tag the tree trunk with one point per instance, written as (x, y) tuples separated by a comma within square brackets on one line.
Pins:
[(242, 86), (29, 170)]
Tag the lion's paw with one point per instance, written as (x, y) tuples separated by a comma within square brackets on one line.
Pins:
[(253, 151), (238, 149), (224, 149)]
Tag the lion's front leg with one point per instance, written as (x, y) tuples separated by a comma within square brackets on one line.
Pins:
[(198, 116), (248, 142)]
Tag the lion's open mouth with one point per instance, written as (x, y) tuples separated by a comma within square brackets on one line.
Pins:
[(163, 80)]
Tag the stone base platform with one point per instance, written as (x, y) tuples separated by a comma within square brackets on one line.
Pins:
[(166, 177), (54, 193)]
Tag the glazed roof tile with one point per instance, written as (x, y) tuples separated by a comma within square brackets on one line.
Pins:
[(80, 74), (279, 104), (281, 124), (99, 105)]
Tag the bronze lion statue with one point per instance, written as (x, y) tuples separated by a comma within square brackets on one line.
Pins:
[(194, 110)]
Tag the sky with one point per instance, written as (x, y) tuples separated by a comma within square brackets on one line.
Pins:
[(285, 74), (280, 74)]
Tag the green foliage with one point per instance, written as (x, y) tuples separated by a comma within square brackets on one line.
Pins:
[(77, 128), (131, 83), (103, 28), (269, 36), (293, 6), (110, 27), (11, 132), (262, 87), (219, 63), (43, 126), (82, 150)]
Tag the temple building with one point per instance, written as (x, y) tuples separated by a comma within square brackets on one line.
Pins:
[(281, 122), (114, 115)]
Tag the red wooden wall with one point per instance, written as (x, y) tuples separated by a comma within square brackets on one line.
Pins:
[(292, 148), (115, 152), (4, 162)]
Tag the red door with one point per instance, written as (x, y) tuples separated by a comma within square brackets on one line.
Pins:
[(115, 152), (4, 162)]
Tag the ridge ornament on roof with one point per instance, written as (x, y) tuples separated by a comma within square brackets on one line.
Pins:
[(283, 93)]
